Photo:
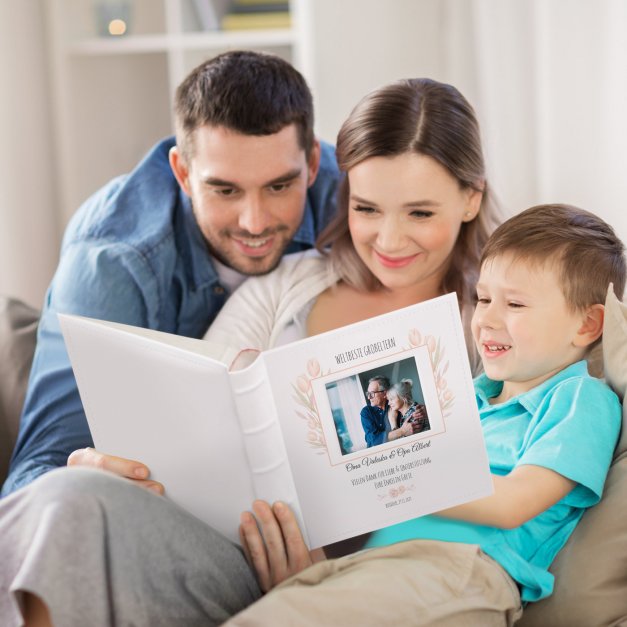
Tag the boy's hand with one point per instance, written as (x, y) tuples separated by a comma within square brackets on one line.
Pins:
[(130, 469), (273, 543)]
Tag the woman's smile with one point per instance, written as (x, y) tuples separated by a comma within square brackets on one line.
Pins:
[(395, 262)]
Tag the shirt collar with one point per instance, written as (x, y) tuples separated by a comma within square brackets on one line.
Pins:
[(486, 388), (193, 247), (306, 233)]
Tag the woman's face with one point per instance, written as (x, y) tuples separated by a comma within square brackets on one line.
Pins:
[(404, 216), (394, 401)]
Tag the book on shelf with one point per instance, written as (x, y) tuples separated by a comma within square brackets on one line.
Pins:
[(287, 426), (238, 8), (256, 20)]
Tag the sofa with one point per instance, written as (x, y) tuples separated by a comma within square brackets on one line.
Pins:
[(18, 328), (590, 571)]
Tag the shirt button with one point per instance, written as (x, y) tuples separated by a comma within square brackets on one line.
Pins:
[(218, 289)]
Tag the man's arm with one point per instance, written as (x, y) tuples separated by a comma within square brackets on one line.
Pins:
[(373, 432), (97, 280)]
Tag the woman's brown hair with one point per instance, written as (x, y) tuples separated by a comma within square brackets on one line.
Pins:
[(425, 117)]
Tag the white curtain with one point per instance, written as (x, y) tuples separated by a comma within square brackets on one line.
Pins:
[(351, 400), (29, 231), (550, 81)]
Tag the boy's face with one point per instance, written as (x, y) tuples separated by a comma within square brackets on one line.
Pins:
[(522, 326)]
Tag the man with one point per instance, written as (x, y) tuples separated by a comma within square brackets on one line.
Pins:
[(162, 247), (374, 415)]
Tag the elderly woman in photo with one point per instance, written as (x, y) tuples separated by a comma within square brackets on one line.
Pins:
[(405, 415)]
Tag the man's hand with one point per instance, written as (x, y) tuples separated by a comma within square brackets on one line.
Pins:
[(409, 428), (127, 468), (273, 544)]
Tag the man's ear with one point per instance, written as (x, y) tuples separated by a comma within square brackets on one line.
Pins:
[(592, 326), (179, 168), (313, 163)]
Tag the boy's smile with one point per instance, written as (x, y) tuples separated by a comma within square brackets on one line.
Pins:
[(523, 328)]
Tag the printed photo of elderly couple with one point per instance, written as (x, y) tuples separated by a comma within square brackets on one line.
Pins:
[(378, 406)]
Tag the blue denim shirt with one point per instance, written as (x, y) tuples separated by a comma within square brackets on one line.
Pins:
[(133, 253)]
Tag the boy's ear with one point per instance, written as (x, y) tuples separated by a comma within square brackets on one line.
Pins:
[(592, 326)]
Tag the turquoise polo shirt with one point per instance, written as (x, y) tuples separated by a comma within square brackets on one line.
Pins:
[(569, 424)]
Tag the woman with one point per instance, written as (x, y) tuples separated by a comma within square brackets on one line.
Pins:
[(404, 411), (414, 213)]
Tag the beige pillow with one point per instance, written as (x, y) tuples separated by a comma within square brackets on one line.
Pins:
[(591, 570), (615, 355), (18, 329)]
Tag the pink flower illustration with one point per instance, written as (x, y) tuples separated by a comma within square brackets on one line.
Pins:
[(415, 339), (313, 368), (431, 344), (303, 384)]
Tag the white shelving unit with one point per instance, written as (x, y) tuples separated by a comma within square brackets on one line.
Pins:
[(112, 96)]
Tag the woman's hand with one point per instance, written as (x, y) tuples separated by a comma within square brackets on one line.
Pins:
[(128, 468), (273, 544)]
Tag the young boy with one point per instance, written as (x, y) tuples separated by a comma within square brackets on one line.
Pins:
[(550, 430)]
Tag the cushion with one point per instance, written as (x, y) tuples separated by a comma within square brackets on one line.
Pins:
[(615, 355), (18, 329), (591, 570)]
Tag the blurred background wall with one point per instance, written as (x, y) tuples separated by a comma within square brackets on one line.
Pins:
[(548, 79)]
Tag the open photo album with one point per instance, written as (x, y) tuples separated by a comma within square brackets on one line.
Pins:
[(219, 431)]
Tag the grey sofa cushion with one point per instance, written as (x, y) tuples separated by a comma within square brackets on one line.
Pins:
[(18, 330)]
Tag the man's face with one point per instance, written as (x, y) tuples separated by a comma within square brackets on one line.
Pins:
[(248, 193), (376, 394)]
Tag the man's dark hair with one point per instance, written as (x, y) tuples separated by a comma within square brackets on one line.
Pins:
[(252, 93)]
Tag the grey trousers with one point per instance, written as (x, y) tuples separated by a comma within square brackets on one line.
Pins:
[(101, 551)]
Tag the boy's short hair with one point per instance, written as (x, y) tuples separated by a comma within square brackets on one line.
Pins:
[(252, 93), (585, 250)]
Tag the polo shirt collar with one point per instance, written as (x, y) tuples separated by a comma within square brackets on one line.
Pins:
[(486, 388)]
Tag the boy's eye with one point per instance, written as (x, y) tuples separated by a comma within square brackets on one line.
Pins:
[(514, 305), (483, 300)]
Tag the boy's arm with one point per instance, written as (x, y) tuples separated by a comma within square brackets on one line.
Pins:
[(519, 496)]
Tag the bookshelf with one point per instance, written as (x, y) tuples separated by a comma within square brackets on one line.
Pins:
[(112, 95)]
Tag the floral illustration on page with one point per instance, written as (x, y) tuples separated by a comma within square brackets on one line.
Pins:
[(304, 396), (446, 398)]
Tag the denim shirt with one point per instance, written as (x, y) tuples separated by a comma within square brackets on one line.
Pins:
[(133, 253)]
